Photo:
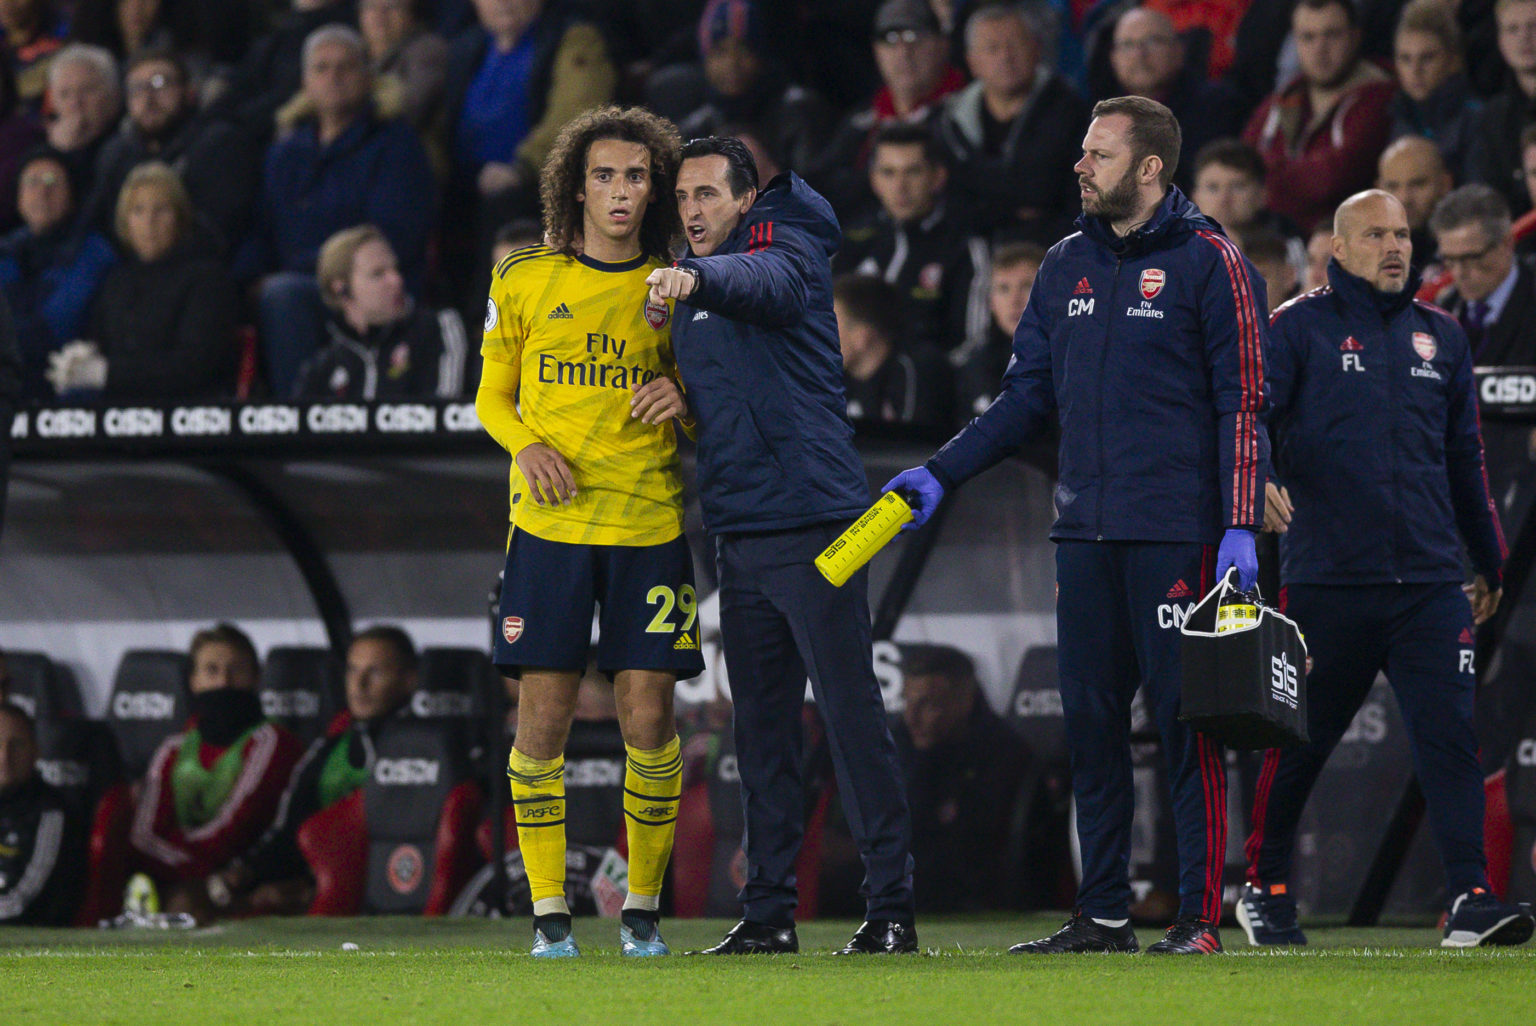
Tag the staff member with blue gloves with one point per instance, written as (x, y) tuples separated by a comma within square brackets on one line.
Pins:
[(1379, 464), (1145, 334), (779, 479)]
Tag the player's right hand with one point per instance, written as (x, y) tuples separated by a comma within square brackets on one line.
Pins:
[(1277, 508), (922, 492), (549, 477)]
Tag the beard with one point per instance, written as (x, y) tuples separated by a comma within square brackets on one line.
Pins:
[(1116, 203)]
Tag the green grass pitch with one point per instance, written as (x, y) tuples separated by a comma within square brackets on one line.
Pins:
[(475, 972)]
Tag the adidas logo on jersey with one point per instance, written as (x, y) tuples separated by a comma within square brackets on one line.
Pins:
[(1180, 590), (1350, 345), (1467, 637), (561, 313), (685, 643), (1083, 288)]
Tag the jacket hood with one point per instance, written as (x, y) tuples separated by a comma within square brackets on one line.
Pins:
[(786, 199), (1176, 217)]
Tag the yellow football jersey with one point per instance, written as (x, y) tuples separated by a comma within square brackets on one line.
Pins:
[(580, 334)]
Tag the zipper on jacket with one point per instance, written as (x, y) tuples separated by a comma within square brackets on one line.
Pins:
[(1114, 284), (1393, 418)]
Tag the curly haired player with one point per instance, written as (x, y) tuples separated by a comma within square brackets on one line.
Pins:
[(580, 387)]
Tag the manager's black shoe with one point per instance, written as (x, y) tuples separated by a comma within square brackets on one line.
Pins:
[(1189, 936), (1081, 934), (749, 938), (882, 937)]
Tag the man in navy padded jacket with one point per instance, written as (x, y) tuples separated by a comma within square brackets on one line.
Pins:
[(779, 479), (1378, 466), (1144, 333)]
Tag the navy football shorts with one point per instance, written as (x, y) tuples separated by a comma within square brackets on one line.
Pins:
[(649, 611)]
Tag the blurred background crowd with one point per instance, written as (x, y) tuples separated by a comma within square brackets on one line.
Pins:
[(258, 198)]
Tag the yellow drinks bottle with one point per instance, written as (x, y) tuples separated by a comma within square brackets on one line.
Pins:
[(864, 537)]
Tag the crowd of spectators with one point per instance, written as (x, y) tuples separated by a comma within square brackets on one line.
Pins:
[(172, 173)]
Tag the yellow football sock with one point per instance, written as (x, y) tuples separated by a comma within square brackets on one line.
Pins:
[(653, 784), (538, 799)]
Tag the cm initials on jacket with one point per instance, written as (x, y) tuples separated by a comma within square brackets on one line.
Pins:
[(1150, 349)]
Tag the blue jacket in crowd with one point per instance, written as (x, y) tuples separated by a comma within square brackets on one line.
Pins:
[(1375, 432), (1150, 350), (375, 172), (49, 282), (757, 347)]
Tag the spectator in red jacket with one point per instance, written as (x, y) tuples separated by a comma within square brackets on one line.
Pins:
[(212, 789), (1321, 133)]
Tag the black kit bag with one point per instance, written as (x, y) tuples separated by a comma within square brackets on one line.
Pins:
[(1246, 687)]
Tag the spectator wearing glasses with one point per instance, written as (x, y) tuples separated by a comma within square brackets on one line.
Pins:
[(49, 270), (1147, 56), (912, 54), (220, 168), (1493, 294)]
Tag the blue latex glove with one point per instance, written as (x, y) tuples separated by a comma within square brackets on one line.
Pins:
[(921, 490), (1236, 549)]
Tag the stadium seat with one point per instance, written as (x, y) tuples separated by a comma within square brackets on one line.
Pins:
[(1520, 802), (407, 846), (148, 704), (455, 684), (1034, 707), (301, 688), (594, 790), (45, 689)]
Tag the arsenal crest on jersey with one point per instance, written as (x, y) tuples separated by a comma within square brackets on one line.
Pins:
[(512, 628), (656, 314), (1424, 345), (1152, 280)]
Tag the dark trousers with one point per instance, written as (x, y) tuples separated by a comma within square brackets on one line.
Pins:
[(779, 620), (1118, 610), (1421, 636)]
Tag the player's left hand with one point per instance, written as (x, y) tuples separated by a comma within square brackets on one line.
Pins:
[(1484, 602), (671, 283), (658, 401), (1237, 550)]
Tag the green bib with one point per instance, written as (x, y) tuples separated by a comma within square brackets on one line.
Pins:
[(199, 792), (338, 777)]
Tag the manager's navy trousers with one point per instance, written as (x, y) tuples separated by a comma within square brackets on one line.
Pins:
[(781, 620), (1421, 636), (1118, 610)]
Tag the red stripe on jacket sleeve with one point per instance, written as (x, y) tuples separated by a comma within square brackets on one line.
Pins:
[(1250, 376)]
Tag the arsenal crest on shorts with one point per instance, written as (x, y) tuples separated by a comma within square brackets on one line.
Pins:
[(512, 628), (1424, 345), (656, 314), (1152, 280)]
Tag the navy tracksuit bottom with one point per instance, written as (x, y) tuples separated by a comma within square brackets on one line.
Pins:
[(781, 620), (1421, 636), (1118, 610)]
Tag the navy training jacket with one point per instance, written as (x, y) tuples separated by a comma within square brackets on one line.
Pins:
[(1150, 350), (1375, 430), (757, 348)]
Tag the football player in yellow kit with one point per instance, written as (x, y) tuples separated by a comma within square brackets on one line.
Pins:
[(580, 386)]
